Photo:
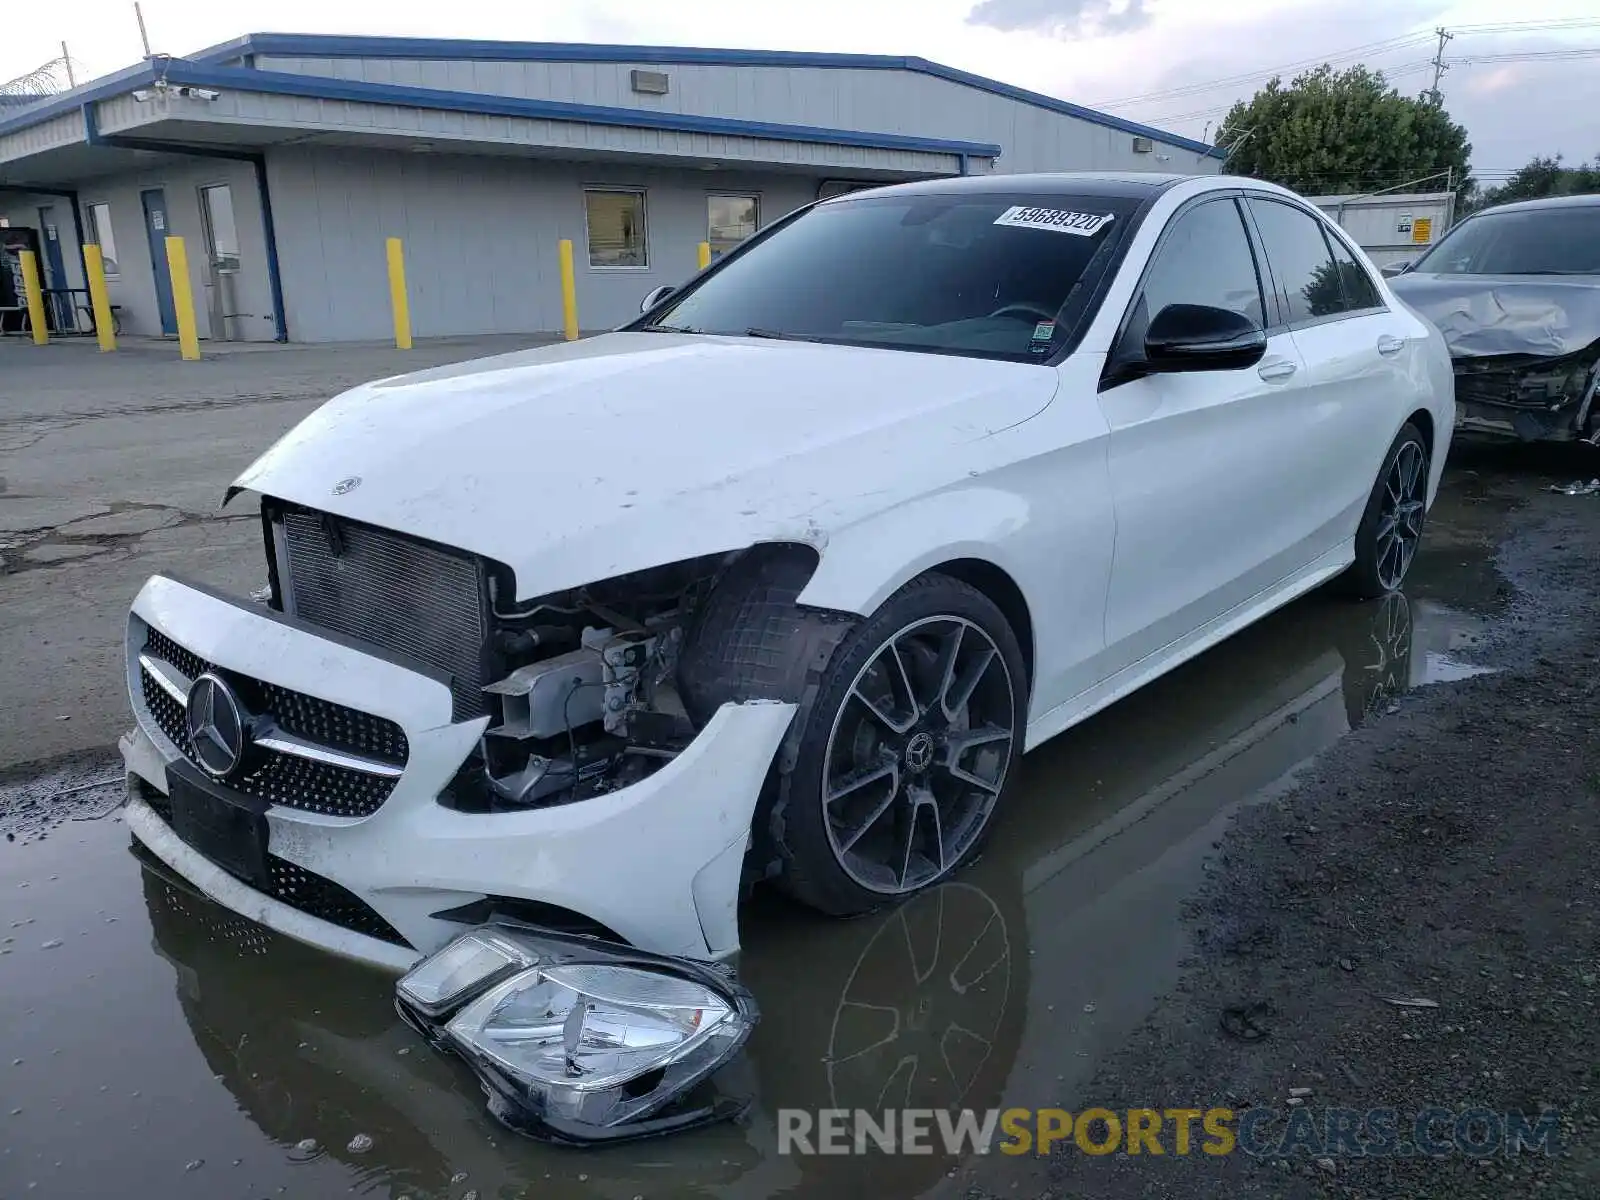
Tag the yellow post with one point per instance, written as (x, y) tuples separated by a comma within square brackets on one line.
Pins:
[(35, 295), (705, 255), (397, 294), (183, 299), (99, 298), (569, 292)]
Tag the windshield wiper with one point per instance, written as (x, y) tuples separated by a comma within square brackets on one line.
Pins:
[(668, 329), (779, 335)]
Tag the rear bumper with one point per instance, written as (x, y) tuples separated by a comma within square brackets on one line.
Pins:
[(658, 862)]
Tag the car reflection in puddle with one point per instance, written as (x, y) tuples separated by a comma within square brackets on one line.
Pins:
[(1002, 987)]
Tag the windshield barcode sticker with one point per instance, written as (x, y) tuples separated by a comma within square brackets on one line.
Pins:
[(1060, 220)]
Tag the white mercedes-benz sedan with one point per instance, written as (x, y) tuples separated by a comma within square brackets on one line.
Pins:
[(779, 581)]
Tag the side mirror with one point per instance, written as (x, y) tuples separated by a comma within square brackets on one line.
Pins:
[(1390, 270), (1197, 337), (655, 296)]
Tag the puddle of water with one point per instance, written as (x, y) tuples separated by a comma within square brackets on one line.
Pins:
[(181, 1050)]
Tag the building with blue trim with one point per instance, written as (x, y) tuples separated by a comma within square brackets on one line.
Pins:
[(286, 160)]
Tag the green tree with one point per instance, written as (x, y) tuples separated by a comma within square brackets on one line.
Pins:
[(1343, 132), (1543, 176)]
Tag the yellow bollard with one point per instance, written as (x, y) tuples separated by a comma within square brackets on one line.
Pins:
[(397, 294), (35, 295), (705, 255), (569, 292), (99, 298), (183, 299)]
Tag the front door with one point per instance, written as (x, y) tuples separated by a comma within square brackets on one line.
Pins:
[(155, 224), (1204, 492), (55, 270)]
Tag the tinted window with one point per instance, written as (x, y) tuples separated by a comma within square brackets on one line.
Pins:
[(1204, 258), (1359, 290), (1301, 263), (1551, 241), (984, 275)]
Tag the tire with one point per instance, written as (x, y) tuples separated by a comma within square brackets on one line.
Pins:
[(821, 850), (1391, 525)]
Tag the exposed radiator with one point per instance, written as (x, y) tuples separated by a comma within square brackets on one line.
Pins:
[(392, 591)]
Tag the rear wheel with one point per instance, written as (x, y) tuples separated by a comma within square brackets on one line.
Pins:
[(1391, 526)]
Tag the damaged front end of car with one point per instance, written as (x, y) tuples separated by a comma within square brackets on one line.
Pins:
[(1525, 351), (579, 1041), (1530, 397)]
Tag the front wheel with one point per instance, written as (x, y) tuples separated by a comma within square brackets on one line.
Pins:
[(1391, 526), (905, 752)]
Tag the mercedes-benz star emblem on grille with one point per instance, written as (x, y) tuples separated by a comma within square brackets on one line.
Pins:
[(218, 730), (347, 485)]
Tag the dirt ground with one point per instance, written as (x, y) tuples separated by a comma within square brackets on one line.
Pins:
[(1446, 852)]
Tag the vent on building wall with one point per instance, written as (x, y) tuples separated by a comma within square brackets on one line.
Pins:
[(1143, 145), (650, 83)]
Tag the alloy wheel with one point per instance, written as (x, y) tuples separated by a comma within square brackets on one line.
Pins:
[(918, 754), (1400, 515)]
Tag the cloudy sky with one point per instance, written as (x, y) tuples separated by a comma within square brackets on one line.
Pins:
[(1105, 53)]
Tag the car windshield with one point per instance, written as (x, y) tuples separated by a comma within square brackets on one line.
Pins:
[(981, 275), (1550, 241)]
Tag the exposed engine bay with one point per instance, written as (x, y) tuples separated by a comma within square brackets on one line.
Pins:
[(589, 701), (582, 688)]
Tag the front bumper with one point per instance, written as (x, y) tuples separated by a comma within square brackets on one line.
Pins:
[(659, 862)]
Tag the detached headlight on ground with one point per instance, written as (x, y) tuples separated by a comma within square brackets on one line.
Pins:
[(582, 1041)]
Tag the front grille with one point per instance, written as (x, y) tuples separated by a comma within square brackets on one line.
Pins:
[(288, 779), (287, 883), (323, 898), (393, 592)]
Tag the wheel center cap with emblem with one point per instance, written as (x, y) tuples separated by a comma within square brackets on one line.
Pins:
[(218, 733), (919, 752)]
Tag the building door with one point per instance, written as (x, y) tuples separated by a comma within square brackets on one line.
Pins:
[(55, 270), (155, 224)]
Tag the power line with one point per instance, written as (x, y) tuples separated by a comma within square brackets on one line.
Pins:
[(1370, 49), (1383, 47)]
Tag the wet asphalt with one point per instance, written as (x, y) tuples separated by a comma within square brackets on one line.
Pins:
[(150, 1038)]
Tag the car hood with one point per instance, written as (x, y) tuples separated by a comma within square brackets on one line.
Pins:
[(584, 460), (1479, 315)]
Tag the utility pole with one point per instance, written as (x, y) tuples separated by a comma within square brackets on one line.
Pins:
[(1433, 94), (144, 38), (66, 61)]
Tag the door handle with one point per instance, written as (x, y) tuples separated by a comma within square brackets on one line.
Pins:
[(1389, 344), (1274, 371)]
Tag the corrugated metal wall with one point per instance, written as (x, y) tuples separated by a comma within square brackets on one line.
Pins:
[(481, 238), (1035, 139)]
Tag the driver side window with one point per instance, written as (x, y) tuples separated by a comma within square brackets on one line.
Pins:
[(1205, 258)]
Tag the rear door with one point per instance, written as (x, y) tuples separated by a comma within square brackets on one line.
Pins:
[(1356, 363), (1203, 466)]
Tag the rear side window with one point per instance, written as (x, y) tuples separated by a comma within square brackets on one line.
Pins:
[(1307, 278), (1359, 290)]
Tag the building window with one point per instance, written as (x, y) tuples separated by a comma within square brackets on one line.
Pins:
[(616, 228), (222, 235), (729, 220), (100, 234)]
